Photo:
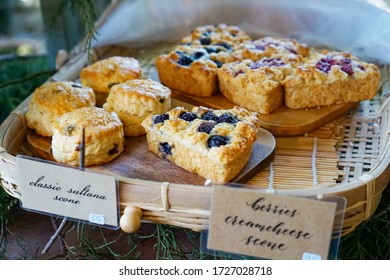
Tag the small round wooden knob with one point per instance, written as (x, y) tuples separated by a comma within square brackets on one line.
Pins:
[(130, 221)]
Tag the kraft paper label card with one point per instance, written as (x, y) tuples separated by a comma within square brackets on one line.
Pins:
[(269, 226), (64, 191)]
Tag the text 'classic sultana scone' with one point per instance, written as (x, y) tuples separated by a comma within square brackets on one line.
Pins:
[(103, 74), (330, 78), (136, 99), (104, 137), (51, 100), (215, 144)]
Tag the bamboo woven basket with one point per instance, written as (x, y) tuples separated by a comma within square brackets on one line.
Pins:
[(348, 157)]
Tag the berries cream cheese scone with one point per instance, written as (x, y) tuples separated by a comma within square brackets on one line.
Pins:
[(136, 99), (330, 78), (51, 100), (216, 34), (103, 74), (270, 46), (215, 144), (192, 69), (256, 85)]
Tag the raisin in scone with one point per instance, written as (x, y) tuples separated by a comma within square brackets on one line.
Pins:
[(256, 85), (136, 99), (270, 46), (329, 78), (215, 144), (216, 34), (103, 74), (104, 137), (192, 69), (51, 100)]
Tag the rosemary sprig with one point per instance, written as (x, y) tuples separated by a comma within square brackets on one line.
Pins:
[(87, 12)]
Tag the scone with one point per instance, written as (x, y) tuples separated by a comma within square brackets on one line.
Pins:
[(104, 137), (270, 46), (256, 85), (103, 74), (189, 69), (330, 78), (136, 99), (51, 100), (215, 34), (215, 144)]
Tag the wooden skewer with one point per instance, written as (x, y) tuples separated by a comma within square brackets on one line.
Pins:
[(82, 167)]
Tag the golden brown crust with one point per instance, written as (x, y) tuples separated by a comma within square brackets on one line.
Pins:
[(198, 77), (103, 74), (255, 85), (185, 138), (214, 34), (51, 100), (330, 78), (270, 46), (104, 137), (136, 99)]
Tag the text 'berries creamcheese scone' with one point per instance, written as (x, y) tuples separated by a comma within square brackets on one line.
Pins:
[(104, 136), (329, 78), (215, 144)]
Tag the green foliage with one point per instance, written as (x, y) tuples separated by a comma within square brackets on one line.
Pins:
[(86, 10), (371, 239), (18, 79)]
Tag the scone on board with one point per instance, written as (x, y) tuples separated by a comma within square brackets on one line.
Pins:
[(215, 34), (103, 74), (136, 99), (330, 78), (189, 69), (104, 137), (51, 100), (215, 144), (270, 46), (256, 85)]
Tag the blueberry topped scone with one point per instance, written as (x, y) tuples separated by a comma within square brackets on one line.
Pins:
[(216, 34), (329, 78), (192, 69), (215, 144), (256, 85)]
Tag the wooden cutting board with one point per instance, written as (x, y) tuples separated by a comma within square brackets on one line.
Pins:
[(136, 161), (282, 122)]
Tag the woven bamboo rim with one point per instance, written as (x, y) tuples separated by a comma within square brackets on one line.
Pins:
[(347, 157)]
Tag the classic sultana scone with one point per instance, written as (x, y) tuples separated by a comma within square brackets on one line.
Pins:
[(104, 137), (136, 99), (216, 34), (215, 144), (51, 100), (103, 74), (270, 46), (329, 78), (192, 69), (256, 85)]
